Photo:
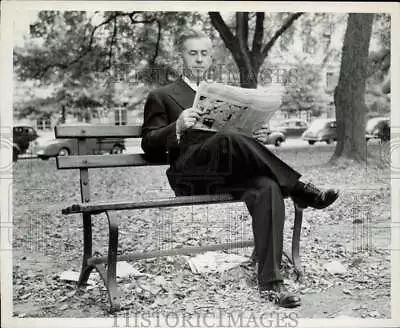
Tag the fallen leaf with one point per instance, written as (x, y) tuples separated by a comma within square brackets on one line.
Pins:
[(23, 297), (124, 269), (335, 267), (215, 262), (160, 280), (69, 276)]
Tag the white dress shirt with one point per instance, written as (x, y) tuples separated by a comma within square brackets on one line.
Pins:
[(190, 83)]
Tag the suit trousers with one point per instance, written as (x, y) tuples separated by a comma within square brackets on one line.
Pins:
[(240, 165)]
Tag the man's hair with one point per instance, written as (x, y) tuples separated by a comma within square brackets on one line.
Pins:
[(189, 34)]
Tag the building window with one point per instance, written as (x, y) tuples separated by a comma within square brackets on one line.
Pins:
[(43, 124), (121, 117), (310, 46)]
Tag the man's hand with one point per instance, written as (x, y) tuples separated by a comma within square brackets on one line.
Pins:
[(187, 119), (262, 133)]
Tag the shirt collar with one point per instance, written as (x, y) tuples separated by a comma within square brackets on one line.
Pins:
[(189, 83)]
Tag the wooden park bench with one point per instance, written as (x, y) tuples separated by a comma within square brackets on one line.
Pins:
[(106, 265)]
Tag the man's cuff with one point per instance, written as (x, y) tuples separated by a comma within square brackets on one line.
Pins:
[(178, 134)]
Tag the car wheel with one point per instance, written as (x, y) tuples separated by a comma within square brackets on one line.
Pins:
[(117, 149), (278, 142), (63, 152), (311, 142)]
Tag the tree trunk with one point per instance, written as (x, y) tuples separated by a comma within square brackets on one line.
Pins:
[(248, 74), (349, 93), (248, 60), (63, 114)]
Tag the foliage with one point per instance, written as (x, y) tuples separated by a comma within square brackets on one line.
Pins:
[(379, 61), (88, 56), (305, 92)]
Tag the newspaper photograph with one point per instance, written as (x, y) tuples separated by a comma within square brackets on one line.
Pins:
[(229, 108)]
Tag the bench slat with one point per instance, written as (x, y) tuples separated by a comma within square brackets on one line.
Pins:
[(176, 201), (98, 161), (97, 131)]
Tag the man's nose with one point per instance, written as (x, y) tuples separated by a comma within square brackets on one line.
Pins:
[(199, 58)]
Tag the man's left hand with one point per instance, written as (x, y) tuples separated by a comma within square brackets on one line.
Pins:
[(262, 133)]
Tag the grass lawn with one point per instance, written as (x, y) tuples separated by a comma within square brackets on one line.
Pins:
[(354, 231)]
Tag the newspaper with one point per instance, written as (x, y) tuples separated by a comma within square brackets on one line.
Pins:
[(235, 109)]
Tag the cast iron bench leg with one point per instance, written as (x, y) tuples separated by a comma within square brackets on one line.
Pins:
[(87, 249), (298, 218), (107, 272), (111, 281)]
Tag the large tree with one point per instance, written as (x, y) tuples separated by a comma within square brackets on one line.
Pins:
[(249, 58), (350, 91)]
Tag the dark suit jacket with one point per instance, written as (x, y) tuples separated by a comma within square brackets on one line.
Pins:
[(161, 110)]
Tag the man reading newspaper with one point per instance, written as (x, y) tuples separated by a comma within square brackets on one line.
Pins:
[(205, 161)]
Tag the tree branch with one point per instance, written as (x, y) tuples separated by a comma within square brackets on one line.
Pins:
[(153, 60), (279, 32), (150, 21), (145, 21), (83, 53), (223, 30), (258, 33), (113, 39)]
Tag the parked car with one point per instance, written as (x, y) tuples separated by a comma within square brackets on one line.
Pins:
[(292, 127), (322, 129), (378, 128), (275, 138), (47, 148), (23, 135)]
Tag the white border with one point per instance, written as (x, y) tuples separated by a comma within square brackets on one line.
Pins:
[(9, 11)]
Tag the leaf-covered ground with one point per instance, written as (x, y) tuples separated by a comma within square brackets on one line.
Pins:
[(355, 231)]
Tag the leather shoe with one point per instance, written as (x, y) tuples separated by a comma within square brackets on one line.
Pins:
[(306, 194), (276, 293)]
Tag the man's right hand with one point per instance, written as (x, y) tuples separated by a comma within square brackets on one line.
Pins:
[(187, 119)]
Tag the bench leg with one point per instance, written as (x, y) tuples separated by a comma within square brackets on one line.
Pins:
[(107, 272), (111, 281), (298, 218), (87, 249)]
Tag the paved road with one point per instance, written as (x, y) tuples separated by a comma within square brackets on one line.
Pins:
[(133, 145)]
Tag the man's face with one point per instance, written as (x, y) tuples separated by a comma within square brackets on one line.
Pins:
[(196, 53)]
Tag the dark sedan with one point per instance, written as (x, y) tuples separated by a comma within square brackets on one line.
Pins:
[(23, 135)]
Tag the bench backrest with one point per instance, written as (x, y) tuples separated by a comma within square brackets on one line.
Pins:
[(83, 162)]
